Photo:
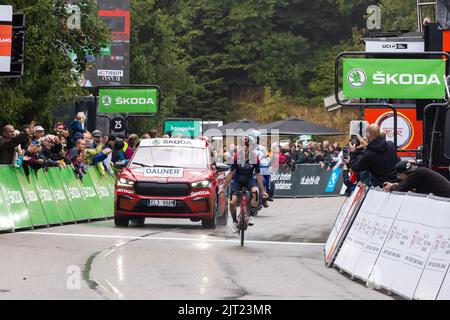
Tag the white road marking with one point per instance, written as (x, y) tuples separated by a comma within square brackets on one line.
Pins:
[(168, 238)]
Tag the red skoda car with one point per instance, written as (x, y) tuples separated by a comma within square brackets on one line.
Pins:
[(171, 178)]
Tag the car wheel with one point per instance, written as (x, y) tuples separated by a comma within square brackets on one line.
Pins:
[(121, 221), (210, 223), (138, 221), (223, 220)]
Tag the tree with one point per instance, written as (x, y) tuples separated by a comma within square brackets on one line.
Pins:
[(49, 73)]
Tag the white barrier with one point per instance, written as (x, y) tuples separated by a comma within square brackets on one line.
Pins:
[(360, 232), (342, 224), (406, 249), (439, 260), (400, 243)]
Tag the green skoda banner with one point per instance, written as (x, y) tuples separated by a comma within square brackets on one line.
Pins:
[(128, 100), (394, 78), (188, 128)]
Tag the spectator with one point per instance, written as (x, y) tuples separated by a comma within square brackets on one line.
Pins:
[(61, 130), (420, 180), (118, 155), (9, 141), (76, 157), (77, 126), (48, 144), (96, 137), (95, 154), (153, 134), (38, 135), (32, 158), (379, 158)]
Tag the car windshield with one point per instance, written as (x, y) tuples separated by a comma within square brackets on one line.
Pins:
[(179, 157)]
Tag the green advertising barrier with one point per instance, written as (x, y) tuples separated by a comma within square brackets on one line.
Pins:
[(103, 191), (50, 181), (90, 195), (13, 195), (6, 221), (47, 199), (32, 200), (80, 208)]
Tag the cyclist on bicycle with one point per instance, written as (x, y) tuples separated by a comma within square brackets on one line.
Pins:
[(241, 175)]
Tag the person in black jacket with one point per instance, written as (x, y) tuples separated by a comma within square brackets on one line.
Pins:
[(379, 158), (420, 180)]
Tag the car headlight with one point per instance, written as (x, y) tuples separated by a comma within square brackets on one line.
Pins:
[(202, 184), (125, 182)]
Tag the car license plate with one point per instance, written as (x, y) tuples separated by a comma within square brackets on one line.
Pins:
[(162, 203)]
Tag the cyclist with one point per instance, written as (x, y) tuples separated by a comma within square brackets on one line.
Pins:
[(264, 161), (244, 165)]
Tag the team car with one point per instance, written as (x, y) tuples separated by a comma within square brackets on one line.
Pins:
[(171, 178)]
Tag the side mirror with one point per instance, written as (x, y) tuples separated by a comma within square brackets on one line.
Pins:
[(221, 167), (447, 136)]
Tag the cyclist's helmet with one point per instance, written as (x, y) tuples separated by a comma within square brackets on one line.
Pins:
[(255, 134)]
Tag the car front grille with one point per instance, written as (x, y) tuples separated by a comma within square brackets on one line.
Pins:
[(162, 189)]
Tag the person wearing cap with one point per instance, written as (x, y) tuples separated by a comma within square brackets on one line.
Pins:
[(48, 142), (419, 180), (97, 137), (38, 135)]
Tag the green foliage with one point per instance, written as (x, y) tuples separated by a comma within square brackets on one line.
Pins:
[(50, 76)]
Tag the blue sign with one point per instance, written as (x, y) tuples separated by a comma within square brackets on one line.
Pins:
[(334, 178)]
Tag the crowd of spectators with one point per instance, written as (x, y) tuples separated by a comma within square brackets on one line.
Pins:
[(35, 148)]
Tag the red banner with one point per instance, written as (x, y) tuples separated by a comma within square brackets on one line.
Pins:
[(409, 130), (5, 40)]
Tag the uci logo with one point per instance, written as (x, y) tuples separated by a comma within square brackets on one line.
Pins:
[(107, 101), (357, 78)]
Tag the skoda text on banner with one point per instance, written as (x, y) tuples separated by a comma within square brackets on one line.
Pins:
[(394, 78), (128, 100), (5, 38)]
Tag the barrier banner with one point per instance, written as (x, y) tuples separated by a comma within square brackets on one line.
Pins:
[(307, 180), (95, 209), (361, 229), (63, 208), (103, 192), (376, 239), (286, 182), (407, 248), (80, 208), (47, 200), (6, 222), (342, 224), (312, 180), (32, 200), (13, 192), (439, 259)]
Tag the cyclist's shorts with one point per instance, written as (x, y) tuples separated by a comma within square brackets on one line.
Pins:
[(237, 186)]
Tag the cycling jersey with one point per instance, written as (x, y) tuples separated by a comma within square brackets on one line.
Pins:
[(243, 171)]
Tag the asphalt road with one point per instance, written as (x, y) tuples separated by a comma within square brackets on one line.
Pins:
[(177, 259)]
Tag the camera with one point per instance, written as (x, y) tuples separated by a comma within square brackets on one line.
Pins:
[(354, 140)]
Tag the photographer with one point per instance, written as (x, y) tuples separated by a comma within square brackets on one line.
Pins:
[(379, 158), (420, 180)]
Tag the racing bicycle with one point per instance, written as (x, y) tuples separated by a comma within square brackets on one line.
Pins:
[(244, 198)]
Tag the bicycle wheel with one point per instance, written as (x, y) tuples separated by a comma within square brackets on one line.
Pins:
[(242, 230)]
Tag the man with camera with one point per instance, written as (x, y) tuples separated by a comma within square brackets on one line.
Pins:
[(379, 157)]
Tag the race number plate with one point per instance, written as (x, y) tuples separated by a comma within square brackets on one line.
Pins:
[(161, 203)]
